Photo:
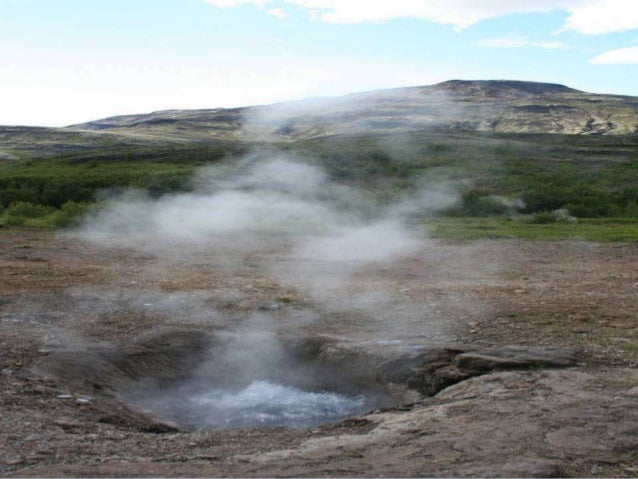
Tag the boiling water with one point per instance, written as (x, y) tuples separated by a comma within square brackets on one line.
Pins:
[(261, 403)]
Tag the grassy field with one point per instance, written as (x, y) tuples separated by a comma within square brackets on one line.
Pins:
[(595, 229)]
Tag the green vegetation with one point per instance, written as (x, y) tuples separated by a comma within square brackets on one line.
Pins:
[(603, 230), (32, 190), (55, 182), (547, 217), (497, 176), (27, 214)]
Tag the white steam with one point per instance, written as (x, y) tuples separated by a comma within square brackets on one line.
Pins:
[(313, 235), (266, 196), (392, 111), (275, 197), (367, 243)]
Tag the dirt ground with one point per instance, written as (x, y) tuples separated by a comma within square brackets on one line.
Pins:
[(581, 421)]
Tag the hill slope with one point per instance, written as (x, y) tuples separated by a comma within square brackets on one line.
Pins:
[(489, 106)]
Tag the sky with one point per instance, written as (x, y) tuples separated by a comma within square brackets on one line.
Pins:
[(69, 61)]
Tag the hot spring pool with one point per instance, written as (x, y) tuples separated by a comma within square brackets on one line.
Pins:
[(260, 404)]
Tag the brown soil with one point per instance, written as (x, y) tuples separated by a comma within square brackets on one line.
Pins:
[(60, 292)]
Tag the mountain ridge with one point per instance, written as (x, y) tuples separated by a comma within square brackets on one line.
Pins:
[(509, 106), (455, 106)]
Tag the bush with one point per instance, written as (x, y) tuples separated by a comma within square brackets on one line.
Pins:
[(70, 214), (582, 200), (160, 185), (479, 204), (546, 217), (18, 214), (28, 214), (9, 195)]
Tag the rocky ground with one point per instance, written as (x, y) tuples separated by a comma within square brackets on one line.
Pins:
[(540, 339)]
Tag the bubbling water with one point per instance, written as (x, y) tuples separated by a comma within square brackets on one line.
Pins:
[(263, 403), (260, 404)]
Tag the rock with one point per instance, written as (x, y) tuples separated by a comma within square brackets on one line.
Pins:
[(67, 423), (34, 437), (515, 357), (269, 306), (13, 460), (495, 425), (632, 392)]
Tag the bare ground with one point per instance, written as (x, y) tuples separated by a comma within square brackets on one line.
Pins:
[(579, 421)]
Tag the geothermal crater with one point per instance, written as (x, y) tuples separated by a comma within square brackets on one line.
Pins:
[(197, 380)]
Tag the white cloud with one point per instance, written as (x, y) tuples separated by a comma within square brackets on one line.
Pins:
[(519, 42), (277, 12), (585, 16), (620, 56), (603, 16), (550, 45)]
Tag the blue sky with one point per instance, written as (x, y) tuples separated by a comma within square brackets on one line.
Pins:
[(68, 61)]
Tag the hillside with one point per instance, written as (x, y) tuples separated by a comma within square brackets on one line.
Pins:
[(495, 106), (485, 106), (26, 142)]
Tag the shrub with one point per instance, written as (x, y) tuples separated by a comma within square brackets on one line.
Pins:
[(9, 195), (70, 214), (28, 214), (546, 217), (17, 214), (478, 203), (582, 200)]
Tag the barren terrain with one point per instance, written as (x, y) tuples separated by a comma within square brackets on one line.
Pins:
[(509, 413)]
